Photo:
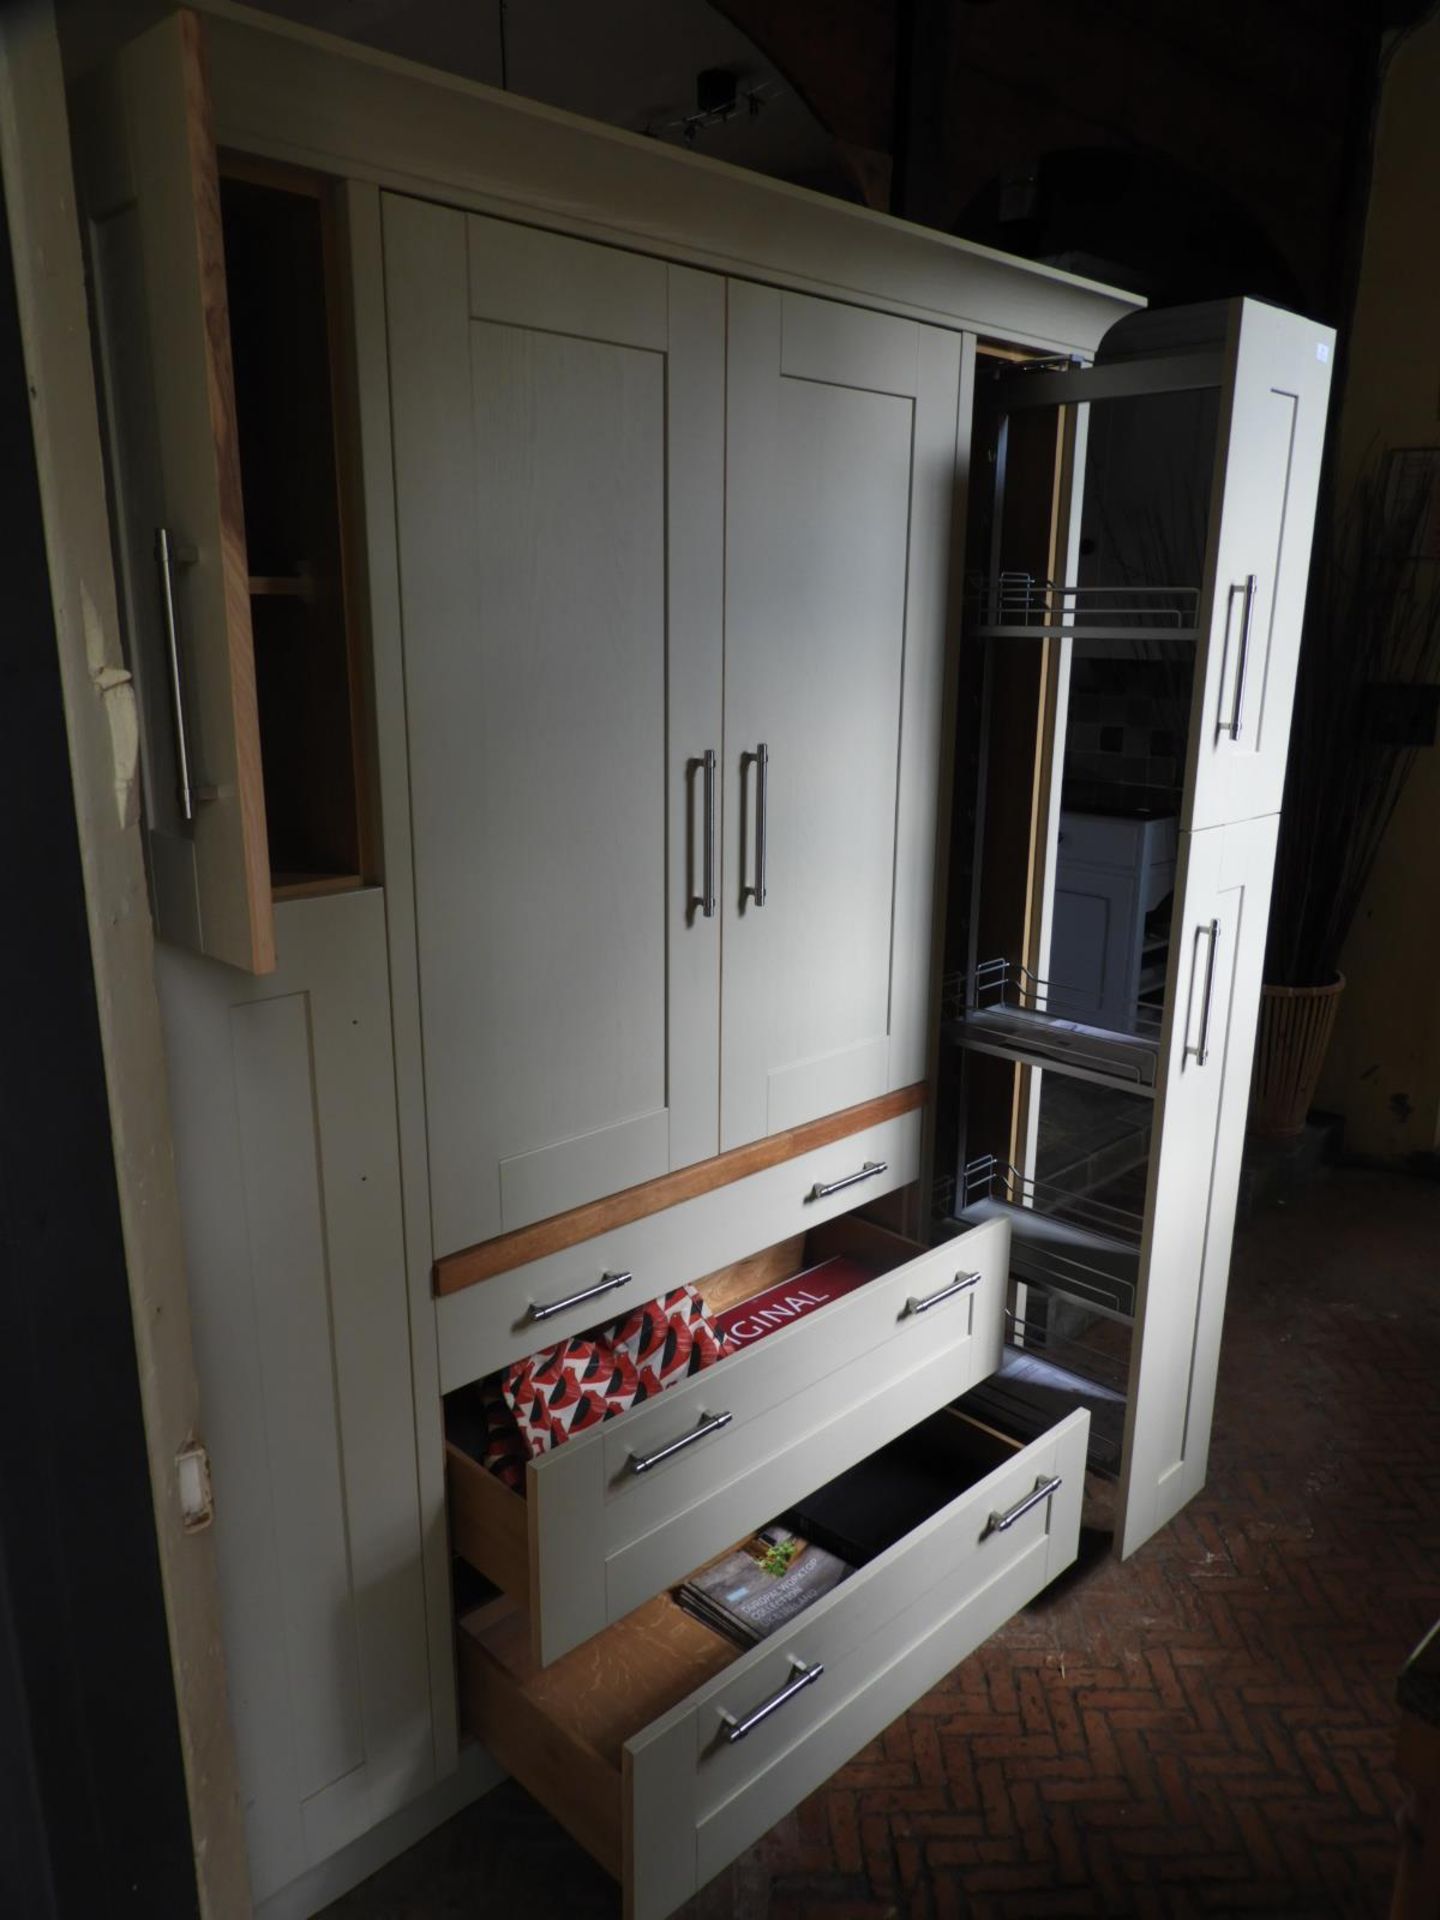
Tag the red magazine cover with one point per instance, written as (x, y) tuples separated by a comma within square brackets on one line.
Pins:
[(779, 1306)]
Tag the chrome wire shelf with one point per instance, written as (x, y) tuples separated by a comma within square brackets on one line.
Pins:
[(1068, 1244), (1004, 1009), (1041, 1381), (1108, 1374), (1023, 606)]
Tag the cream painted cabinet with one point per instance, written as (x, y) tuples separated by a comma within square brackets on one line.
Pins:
[(672, 596), (1193, 467), (658, 466), (840, 472)]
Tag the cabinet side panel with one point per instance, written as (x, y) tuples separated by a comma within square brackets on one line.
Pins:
[(362, 239), (940, 470)]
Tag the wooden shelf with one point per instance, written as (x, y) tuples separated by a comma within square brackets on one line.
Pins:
[(297, 586), (280, 265), (306, 886)]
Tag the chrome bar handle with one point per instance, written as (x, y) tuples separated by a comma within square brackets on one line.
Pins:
[(706, 900), (1246, 617), (962, 1283), (709, 1423), (165, 556), (805, 1676), (607, 1283), (1043, 1488), (822, 1190), (761, 757), (1201, 1050)]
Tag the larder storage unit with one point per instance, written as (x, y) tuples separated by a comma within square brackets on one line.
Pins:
[(1252, 383), (649, 479)]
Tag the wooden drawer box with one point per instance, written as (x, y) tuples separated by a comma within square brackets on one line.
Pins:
[(486, 1326), (634, 1742), (596, 1534)]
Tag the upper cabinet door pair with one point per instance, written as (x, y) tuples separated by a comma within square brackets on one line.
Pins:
[(673, 566)]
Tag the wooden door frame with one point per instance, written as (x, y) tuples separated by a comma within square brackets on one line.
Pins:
[(101, 724)]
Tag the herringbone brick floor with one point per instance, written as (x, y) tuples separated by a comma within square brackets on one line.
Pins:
[(1206, 1729)]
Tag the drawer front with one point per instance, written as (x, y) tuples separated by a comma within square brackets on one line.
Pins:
[(697, 1800), (799, 1407), (488, 1325)]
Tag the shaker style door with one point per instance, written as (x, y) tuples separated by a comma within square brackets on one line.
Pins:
[(1212, 1007), (1267, 468), (559, 454), (153, 198), (841, 459)]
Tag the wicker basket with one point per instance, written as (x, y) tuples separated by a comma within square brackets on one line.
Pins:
[(1295, 1028)]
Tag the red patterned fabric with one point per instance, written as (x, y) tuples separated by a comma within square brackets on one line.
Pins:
[(539, 1402)]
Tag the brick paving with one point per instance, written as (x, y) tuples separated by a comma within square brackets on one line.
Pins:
[(1206, 1729)]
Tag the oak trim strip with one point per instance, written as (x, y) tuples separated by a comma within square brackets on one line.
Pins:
[(456, 1271)]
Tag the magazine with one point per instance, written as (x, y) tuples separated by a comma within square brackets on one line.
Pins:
[(762, 1585), (791, 1299)]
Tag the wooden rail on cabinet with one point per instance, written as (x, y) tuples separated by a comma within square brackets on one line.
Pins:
[(507, 1250)]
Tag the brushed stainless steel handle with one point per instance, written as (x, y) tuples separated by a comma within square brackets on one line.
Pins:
[(1000, 1522), (607, 1283), (709, 1423), (705, 899), (805, 1676), (165, 556), (823, 1189), (1201, 1048), (761, 757), (962, 1283), (1246, 617)]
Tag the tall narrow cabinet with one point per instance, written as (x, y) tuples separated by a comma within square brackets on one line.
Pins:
[(1217, 618)]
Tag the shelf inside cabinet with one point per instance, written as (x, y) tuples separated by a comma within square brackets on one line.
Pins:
[(305, 886), (1021, 606), (1034, 1386), (1003, 1009), (281, 295), (296, 586), (1067, 1244)]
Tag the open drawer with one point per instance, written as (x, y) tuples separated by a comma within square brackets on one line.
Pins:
[(618, 1512), (666, 1750)]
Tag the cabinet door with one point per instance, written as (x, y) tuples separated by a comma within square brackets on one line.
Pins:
[(153, 198), (559, 457), (283, 1096), (1267, 468), (1212, 1001), (841, 460)]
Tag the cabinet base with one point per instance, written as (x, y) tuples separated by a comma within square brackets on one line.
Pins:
[(476, 1774)]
